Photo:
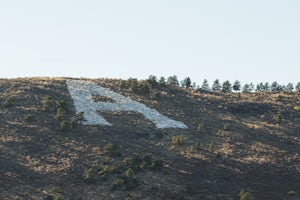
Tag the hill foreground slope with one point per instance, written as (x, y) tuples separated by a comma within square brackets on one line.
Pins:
[(227, 146)]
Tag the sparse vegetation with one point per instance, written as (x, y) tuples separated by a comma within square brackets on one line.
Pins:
[(47, 103), (296, 108), (292, 193), (245, 195), (258, 149), (226, 127), (178, 140), (117, 182), (278, 119), (29, 118), (112, 149), (88, 175), (8, 103), (211, 147), (200, 127)]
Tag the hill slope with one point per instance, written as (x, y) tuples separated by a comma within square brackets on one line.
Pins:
[(235, 145)]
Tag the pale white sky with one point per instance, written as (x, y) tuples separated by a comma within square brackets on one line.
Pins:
[(257, 40)]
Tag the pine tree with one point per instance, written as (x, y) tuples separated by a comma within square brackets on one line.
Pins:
[(236, 86), (260, 87), (172, 80), (298, 87), (246, 88), (226, 86), (251, 87), (290, 87), (267, 87), (152, 81), (187, 82), (275, 87), (162, 81), (205, 85), (216, 87)]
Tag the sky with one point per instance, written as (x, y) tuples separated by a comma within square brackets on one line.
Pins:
[(247, 40)]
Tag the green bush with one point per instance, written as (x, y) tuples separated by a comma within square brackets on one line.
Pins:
[(130, 179), (79, 117), (178, 140), (88, 175), (292, 193), (148, 160), (296, 108), (211, 147), (8, 103), (47, 103), (129, 174), (108, 169), (29, 118), (127, 162), (117, 182), (278, 119), (244, 195), (112, 149), (200, 127), (226, 127), (60, 114)]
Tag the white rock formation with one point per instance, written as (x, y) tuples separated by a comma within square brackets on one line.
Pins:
[(82, 93)]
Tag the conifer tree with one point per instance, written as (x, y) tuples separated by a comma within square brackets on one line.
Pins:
[(226, 86), (216, 87), (172, 80), (298, 87), (236, 86), (205, 85)]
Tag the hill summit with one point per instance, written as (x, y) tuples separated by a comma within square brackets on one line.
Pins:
[(65, 138)]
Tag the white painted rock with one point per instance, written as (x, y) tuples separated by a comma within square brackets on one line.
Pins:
[(83, 91)]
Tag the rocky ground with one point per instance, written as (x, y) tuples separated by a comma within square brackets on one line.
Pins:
[(236, 146)]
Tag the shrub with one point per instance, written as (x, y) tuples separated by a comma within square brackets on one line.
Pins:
[(53, 197), (108, 169), (117, 182), (61, 105), (55, 189), (292, 193), (8, 103), (244, 195), (178, 140), (157, 164), (73, 122), (148, 159), (29, 117), (88, 175), (211, 147), (65, 125), (129, 174), (47, 103), (200, 127), (278, 119), (60, 114), (127, 162), (79, 117), (296, 108), (130, 179), (112, 149), (226, 127)]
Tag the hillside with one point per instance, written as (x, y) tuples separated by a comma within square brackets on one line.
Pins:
[(175, 144)]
